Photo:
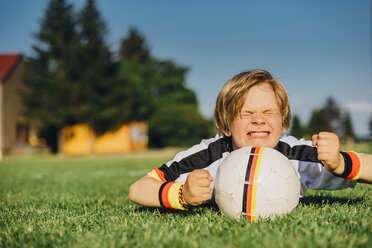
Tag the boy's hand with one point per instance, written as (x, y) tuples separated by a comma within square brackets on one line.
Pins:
[(196, 189), (329, 151)]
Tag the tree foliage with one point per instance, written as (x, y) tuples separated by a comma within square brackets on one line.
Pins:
[(328, 118), (178, 125), (159, 87), (73, 78), (51, 93), (347, 127), (370, 127), (134, 47), (100, 90), (161, 82), (297, 130)]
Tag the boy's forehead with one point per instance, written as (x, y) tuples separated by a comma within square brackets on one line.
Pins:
[(261, 96)]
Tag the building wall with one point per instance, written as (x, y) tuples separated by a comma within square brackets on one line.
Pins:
[(81, 140), (12, 108), (113, 142), (77, 140)]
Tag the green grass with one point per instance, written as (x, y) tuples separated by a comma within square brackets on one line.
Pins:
[(83, 202)]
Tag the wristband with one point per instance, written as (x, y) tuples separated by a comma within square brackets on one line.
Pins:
[(353, 165), (170, 196), (180, 198)]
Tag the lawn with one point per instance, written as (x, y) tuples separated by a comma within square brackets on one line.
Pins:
[(83, 202)]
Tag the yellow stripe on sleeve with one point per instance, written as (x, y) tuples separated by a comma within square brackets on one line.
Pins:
[(154, 175)]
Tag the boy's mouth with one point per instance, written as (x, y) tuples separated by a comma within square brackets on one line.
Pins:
[(258, 134)]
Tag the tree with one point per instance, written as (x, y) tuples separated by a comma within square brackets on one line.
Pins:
[(50, 94), (296, 128), (99, 87), (330, 118), (72, 77), (331, 115), (159, 86), (178, 125), (134, 47), (156, 82), (169, 87), (325, 119), (318, 123), (370, 127), (347, 127)]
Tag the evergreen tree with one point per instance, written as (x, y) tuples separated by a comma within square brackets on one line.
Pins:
[(296, 128), (370, 128), (50, 93), (332, 116), (97, 71), (317, 123), (72, 77), (165, 101), (134, 47), (347, 127), (155, 82), (325, 119), (331, 119)]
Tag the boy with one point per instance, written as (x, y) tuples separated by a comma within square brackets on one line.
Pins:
[(252, 109)]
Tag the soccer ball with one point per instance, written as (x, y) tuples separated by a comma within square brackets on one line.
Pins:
[(256, 182)]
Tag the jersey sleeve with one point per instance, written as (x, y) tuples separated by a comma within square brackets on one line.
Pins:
[(200, 156), (157, 174), (310, 170)]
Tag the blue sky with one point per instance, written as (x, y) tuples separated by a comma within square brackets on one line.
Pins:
[(316, 48)]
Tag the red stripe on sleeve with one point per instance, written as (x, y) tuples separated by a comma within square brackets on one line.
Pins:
[(160, 174)]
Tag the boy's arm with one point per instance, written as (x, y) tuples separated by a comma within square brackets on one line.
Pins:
[(328, 147), (145, 191)]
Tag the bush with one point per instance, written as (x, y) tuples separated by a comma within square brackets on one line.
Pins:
[(178, 125)]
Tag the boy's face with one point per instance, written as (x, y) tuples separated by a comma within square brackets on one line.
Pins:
[(260, 122)]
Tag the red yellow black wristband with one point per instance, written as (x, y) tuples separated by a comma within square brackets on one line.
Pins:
[(170, 195), (353, 165)]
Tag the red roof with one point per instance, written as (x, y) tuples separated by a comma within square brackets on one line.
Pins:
[(7, 64)]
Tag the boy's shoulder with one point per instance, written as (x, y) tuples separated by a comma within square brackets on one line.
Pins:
[(293, 141), (204, 146)]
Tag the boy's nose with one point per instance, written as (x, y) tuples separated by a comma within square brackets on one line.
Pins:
[(257, 119)]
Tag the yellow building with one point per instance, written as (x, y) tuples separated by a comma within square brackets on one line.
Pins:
[(81, 140)]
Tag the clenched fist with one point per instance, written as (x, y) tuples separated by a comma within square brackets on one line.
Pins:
[(196, 189), (329, 151)]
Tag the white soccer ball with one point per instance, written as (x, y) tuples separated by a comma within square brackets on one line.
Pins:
[(256, 182)]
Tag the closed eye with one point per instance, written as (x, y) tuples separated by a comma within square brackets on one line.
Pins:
[(270, 112), (246, 113)]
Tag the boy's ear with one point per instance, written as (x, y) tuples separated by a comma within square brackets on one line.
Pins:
[(284, 129), (227, 133)]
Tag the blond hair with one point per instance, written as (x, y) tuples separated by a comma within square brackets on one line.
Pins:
[(230, 100)]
